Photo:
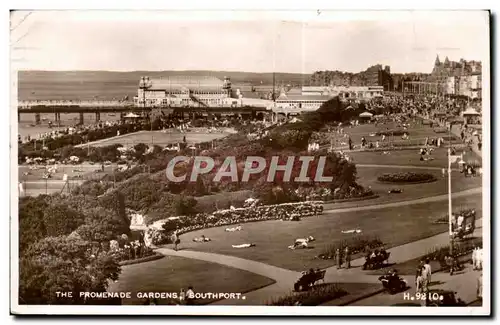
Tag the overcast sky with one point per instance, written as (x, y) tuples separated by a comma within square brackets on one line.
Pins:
[(300, 42)]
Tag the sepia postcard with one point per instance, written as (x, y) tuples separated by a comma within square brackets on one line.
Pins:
[(250, 162)]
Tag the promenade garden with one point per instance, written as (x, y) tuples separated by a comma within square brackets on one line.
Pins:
[(392, 226), (98, 210)]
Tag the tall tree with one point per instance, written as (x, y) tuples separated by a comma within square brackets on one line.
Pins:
[(63, 264)]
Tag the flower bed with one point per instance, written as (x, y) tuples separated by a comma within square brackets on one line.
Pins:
[(314, 297), (185, 224), (356, 245), (460, 248), (465, 213), (406, 177), (326, 194), (353, 199), (131, 252)]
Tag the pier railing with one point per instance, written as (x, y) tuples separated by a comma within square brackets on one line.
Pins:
[(82, 103)]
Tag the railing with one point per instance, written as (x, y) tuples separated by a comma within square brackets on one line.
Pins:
[(82, 103)]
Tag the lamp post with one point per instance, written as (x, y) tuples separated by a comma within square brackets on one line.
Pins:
[(144, 85)]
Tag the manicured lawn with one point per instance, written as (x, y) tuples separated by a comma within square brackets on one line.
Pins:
[(394, 226), (409, 157), (86, 171), (158, 138), (416, 132), (171, 274)]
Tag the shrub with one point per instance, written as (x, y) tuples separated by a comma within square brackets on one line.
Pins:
[(407, 177), (152, 257), (356, 245), (290, 138), (223, 200), (313, 297)]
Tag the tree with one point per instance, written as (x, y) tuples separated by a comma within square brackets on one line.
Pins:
[(31, 223), (61, 220), (103, 225), (63, 264), (185, 205)]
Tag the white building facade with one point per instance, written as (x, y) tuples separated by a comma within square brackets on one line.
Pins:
[(344, 92), (190, 91), (465, 85)]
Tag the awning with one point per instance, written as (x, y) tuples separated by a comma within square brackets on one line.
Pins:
[(470, 111)]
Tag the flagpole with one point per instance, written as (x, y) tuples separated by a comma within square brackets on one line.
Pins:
[(450, 215)]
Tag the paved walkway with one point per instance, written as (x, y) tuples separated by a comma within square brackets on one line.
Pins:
[(464, 283), (400, 167), (286, 278), (93, 143), (436, 198), (270, 271)]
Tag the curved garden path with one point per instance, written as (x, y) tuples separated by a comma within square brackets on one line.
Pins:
[(400, 166), (286, 278), (476, 190)]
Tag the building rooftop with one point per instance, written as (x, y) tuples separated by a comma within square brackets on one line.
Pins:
[(302, 97)]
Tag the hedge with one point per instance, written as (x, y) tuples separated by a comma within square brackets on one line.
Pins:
[(155, 256)]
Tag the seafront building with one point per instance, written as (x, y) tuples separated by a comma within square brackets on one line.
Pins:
[(310, 98), (180, 91)]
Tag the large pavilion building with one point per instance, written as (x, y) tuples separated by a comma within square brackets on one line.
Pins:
[(191, 91)]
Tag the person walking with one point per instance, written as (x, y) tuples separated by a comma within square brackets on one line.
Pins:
[(182, 297), (419, 280), (347, 257), (426, 273), (190, 296), (339, 258), (480, 286), (419, 270), (474, 258)]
